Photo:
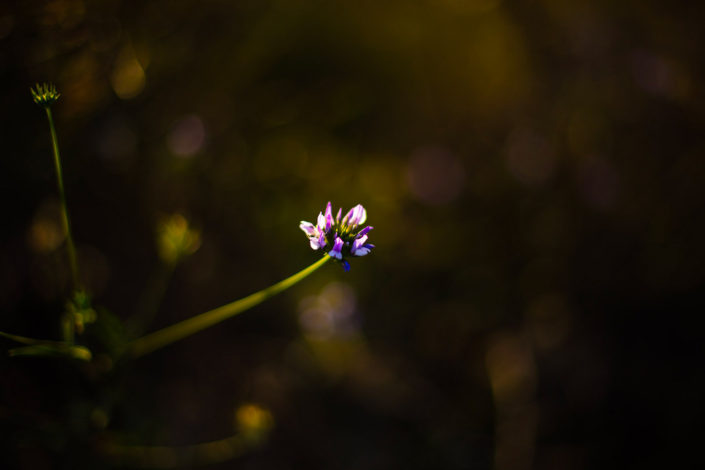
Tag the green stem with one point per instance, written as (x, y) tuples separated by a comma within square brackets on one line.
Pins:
[(62, 196), (41, 347), (173, 333), (206, 453), (32, 341)]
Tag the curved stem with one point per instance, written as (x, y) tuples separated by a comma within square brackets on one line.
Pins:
[(173, 333), (206, 453), (42, 347), (33, 341), (62, 196)]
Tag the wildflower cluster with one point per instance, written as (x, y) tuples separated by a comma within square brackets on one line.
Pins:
[(340, 237)]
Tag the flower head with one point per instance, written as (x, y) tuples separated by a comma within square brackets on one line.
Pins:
[(44, 94), (340, 238)]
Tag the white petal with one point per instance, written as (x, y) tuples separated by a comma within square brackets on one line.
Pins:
[(308, 228), (363, 215), (361, 251)]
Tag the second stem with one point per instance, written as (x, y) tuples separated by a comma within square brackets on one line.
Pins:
[(70, 247)]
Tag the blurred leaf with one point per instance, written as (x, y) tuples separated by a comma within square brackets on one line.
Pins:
[(107, 333)]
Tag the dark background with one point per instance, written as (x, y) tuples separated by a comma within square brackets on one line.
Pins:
[(533, 171)]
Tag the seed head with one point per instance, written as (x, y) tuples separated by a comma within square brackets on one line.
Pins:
[(44, 94)]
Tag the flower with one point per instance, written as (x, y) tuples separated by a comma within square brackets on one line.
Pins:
[(44, 94), (339, 237)]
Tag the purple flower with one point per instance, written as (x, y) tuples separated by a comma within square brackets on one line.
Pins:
[(359, 247), (337, 251), (317, 238), (355, 216), (342, 235)]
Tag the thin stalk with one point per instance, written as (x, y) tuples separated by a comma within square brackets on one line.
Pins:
[(206, 453), (173, 333), (70, 247), (41, 347), (33, 341)]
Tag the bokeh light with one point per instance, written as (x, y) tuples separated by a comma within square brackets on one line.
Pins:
[(46, 232), (435, 176), (187, 137), (331, 314), (128, 78)]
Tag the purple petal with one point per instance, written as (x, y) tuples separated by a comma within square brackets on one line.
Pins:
[(337, 217), (361, 251), (346, 265), (364, 231), (321, 222), (358, 246), (358, 216), (357, 243), (337, 248), (308, 228), (329, 222), (329, 216)]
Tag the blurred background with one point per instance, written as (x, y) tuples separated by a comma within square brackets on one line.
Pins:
[(534, 173)]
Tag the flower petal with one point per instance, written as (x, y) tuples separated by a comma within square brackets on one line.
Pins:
[(308, 228), (360, 241), (364, 231), (361, 251), (358, 246), (358, 215), (337, 248), (362, 214), (329, 216)]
